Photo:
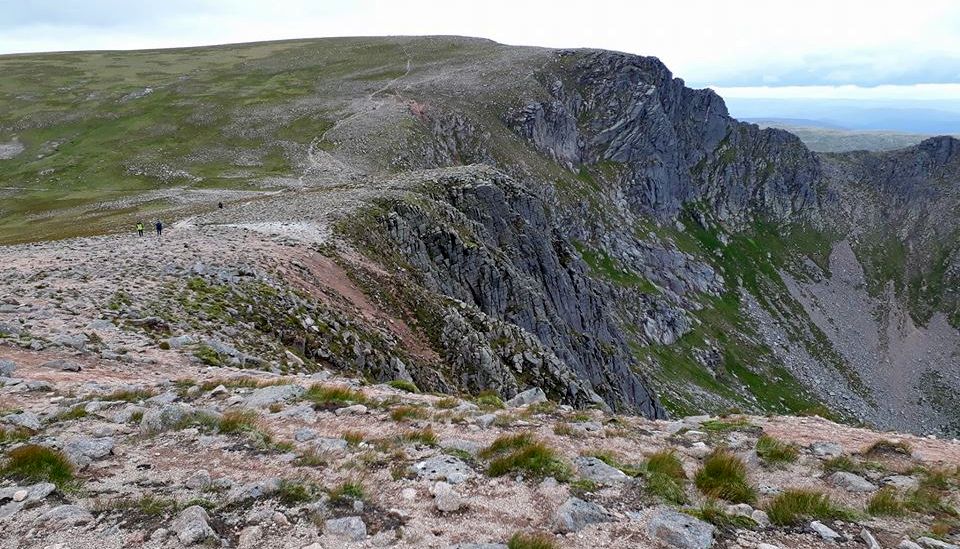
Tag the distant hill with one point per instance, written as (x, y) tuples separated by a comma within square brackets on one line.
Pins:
[(819, 137)]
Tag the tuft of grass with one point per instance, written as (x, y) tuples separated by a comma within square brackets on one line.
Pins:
[(842, 463), (724, 476), (238, 421), (77, 412), (404, 385), (13, 434), (929, 501), (488, 400), (775, 452), (666, 462), (447, 403), (425, 437), (34, 463), (536, 540), (347, 492), (312, 458), (711, 511), (563, 429), (354, 438), (129, 395), (888, 447), (293, 492), (886, 502), (524, 454), (796, 506), (405, 413), (333, 395)]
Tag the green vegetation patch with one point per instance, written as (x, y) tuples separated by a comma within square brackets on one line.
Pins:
[(34, 463), (793, 507), (724, 476), (524, 454)]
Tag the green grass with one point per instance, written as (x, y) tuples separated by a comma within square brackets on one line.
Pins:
[(404, 385), (604, 266), (523, 540), (347, 492), (77, 412), (665, 477), (775, 452), (238, 421), (333, 395), (524, 454), (886, 502), (888, 447), (354, 438), (406, 413), (843, 463), (794, 506), (296, 491), (426, 437), (33, 463), (13, 434), (724, 425), (711, 511), (489, 401), (724, 476)]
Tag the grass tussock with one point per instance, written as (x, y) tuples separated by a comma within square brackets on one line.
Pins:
[(425, 437), (333, 395), (296, 491), (793, 507), (347, 492), (34, 463), (13, 434), (446, 403), (842, 463), (354, 438), (711, 511), (886, 502), (536, 540), (665, 477), (407, 413), (524, 454), (404, 385), (312, 457), (563, 429), (77, 412), (724, 425), (724, 476), (774, 452), (488, 400), (238, 421), (888, 447)]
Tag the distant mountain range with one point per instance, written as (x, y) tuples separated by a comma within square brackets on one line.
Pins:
[(822, 136), (918, 117)]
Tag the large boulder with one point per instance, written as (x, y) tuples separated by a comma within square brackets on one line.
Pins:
[(597, 471), (530, 396), (167, 417), (65, 515), (27, 420), (192, 526), (443, 467), (82, 451), (264, 397), (349, 528), (851, 482), (7, 367), (576, 514), (62, 364), (679, 530)]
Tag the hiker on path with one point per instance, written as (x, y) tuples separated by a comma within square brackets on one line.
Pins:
[(159, 227), (139, 228)]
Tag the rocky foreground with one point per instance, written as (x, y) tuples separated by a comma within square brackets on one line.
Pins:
[(145, 403)]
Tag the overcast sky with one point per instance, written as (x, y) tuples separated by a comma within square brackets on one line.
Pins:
[(839, 46)]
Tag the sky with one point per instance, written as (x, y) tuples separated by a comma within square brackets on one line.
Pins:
[(837, 49)]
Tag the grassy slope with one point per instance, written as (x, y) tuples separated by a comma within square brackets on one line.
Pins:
[(217, 117)]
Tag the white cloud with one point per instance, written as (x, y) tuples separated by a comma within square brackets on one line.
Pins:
[(915, 92), (732, 43)]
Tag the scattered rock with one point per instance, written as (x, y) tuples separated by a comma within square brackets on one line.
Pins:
[(851, 482), (304, 434), (824, 531), (761, 518), (931, 543), (199, 480), (264, 397), (250, 537), (576, 514), (486, 420), (680, 530), (65, 515), (902, 482), (7, 367), (597, 471), (445, 498), (351, 528), (530, 396), (356, 409), (907, 544), (82, 451), (826, 449), (868, 538), (443, 467), (192, 526), (62, 364), (27, 420)]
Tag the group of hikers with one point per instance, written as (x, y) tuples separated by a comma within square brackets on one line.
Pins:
[(158, 226)]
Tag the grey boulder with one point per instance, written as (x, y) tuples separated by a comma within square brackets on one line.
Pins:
[(597, 471), (192, 526), (576, 514), (65, 515), (7, 367), (273, 394), (351, 528), (82, 451), (680, 530), (851, 482), (530, 396)]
